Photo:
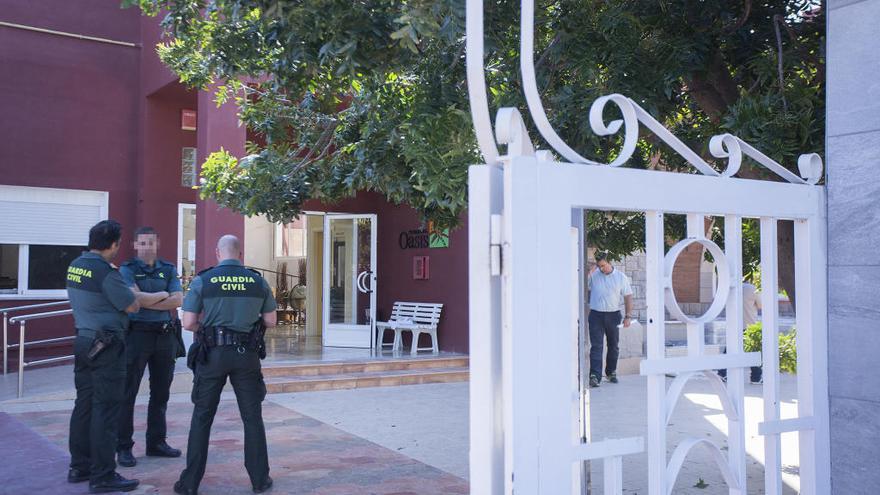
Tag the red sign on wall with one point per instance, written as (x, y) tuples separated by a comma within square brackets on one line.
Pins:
[(421, 267), (188, 120)]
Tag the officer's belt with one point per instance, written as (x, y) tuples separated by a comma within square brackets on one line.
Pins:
[(221, 336), (150, 326), (90, 334)]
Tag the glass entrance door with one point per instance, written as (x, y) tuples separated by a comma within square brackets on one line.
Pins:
[(349, 280)]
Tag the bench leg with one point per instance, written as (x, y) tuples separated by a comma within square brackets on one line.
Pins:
[(415, 342), (434, 342), (398, 341)]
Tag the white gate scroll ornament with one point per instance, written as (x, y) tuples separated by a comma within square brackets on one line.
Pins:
[(524, 388)]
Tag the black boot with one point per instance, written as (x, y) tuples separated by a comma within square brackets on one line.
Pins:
[(179, 488), (125, 458), (77, 475), (113, 483), (265, 486), (162, 449)]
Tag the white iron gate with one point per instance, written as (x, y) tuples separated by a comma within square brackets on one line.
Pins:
[(525, 304)]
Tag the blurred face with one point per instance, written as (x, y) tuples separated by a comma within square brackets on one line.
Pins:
[(605, 267), (146, 246)]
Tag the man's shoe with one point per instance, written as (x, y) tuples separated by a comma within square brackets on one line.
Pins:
[(612, 377), (113, 483), (125, 458), (77, 476), (182, 490), (594, 381), (266, 486), (162, 450)]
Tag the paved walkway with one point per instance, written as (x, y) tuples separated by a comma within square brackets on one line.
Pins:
[(410, 440)]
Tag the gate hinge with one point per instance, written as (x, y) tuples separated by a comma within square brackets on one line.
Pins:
[(495, 245)]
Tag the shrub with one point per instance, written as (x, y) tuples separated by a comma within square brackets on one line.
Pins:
[(787, 346)]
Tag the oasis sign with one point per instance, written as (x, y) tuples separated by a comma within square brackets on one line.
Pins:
[(423, 239)]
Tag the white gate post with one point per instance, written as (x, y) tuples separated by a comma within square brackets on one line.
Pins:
[(812, 345), (485, 189), (521, 324)]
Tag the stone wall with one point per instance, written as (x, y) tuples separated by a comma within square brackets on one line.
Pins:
[(853, 164)]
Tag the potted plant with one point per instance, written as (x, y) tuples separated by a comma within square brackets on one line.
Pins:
[(298, 293)]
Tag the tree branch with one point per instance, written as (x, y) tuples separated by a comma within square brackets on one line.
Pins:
[(777, 21)]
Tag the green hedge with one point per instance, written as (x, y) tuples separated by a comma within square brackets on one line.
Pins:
[(787, 346)]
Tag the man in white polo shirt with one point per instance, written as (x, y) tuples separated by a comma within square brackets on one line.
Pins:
[(609, 290)]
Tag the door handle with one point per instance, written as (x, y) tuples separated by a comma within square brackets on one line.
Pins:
[(359, 281), (362, 282)]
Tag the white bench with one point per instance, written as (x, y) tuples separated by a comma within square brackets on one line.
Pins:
[(414, 317)]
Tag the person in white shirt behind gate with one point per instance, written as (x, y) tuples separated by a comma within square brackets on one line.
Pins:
[(609, 290)]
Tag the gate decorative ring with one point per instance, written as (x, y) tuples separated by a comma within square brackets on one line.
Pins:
[(719, 301)]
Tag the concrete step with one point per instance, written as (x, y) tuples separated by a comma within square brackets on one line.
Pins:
[(367, 366), (385, 378)]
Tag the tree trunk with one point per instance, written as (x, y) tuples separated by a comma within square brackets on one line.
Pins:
[(785, 253)]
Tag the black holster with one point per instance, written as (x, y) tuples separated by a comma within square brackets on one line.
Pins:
[(177, 328), (102, 341), (259, 336)]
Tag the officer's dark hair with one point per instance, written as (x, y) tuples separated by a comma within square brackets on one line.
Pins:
[(144, 230), (104, 234), (601, 256)]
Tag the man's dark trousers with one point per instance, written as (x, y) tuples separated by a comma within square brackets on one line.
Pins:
[(100, 388), (243, 370), (603, 325), (156, 350)]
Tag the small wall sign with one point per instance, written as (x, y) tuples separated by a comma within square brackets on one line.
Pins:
[(421, 267), (188, 120)]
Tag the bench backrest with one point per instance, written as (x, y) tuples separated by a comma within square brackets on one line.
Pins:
[(420, 313)]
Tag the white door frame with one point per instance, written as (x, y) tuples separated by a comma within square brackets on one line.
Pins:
[(350, 335)]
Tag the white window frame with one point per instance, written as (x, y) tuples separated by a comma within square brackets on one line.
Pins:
[(276, 237), (47, 195)]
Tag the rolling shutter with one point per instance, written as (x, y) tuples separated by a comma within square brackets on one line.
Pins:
[(36, 215)]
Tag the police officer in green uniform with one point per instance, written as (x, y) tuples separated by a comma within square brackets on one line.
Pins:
[(100, 300), (151, 341), (233, 302)]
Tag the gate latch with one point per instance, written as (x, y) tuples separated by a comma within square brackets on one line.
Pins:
[(495, 245)]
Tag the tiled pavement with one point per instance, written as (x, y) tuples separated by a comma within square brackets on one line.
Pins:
[(306, 457)]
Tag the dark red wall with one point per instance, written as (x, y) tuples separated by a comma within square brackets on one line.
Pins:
[(76, 114), (159, 185), (448, 283), (70, 108)]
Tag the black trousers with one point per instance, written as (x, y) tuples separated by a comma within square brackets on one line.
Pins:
[(603, 325), (243, 371), (100, 387), (145, 348)]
